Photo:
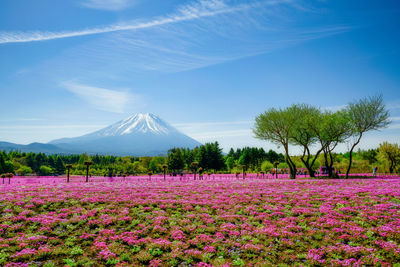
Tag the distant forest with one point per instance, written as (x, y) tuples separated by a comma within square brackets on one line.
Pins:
[(207, 158)]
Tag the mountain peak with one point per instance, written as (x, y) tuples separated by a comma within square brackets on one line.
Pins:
[(138, 123), (142, 134)]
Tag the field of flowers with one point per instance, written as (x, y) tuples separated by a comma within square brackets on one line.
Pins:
[(252, 222)]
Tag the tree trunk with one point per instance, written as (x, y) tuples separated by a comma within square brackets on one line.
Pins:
[(87, 173), (326, 160), (351, 156), (331, 165), (292, 166), (307, 162), (308, 166)]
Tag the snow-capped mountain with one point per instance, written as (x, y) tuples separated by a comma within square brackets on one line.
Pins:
[(138, 135), (138, 123)]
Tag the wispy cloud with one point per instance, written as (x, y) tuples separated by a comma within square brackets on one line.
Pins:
[(197, 10), (394, 126), (196, 35), (393, 105), (111, 5), (395, 118), (102, 98), (174, 48)]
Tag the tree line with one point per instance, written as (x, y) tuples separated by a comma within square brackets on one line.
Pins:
[(210, 159)]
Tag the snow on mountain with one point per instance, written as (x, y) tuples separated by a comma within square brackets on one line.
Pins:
[(139, 135), (144, 123)]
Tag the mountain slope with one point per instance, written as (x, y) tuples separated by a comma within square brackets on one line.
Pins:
[(139, 135), (34, 147)]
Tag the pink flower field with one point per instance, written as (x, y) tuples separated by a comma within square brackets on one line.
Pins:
[(250, 222)]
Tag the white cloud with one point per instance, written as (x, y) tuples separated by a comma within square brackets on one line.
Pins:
[(163, 44), (111, 5), (394, 126), (197, 10), (393, 105), (395, 118), (101, 98)]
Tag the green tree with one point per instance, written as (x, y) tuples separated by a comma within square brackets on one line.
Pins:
[(244, 158), (83, 158), (52, 161), (229, 162), (369, 155), (156, 163), (210, 157), (8, 166), (366, 115), (216, 158), (59, 166), (390, 153), (266, 166), (24, 170), (32, 163), (272, 156), (277, 126), (335, 129), (175, 159), (2, 164), (45, 170), (304, 134)]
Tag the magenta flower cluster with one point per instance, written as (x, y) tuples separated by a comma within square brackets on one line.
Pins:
[(201, 223)]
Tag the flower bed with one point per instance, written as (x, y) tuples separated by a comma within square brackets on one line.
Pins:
[(222, 222)]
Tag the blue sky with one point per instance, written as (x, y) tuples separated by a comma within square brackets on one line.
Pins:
[(206, 66)]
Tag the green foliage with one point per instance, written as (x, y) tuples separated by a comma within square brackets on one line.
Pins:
[(45, 170), (156, 163), (155, 252), (175, 159), (366, 114), (8, 166), (278, 126), (76, 251), (389, 154), (59, 166), (229, 162), (2, 163), (305, 126), (112, 262), (135, 249), (70, 262), (24, 170), (266, 166), (210, 157)]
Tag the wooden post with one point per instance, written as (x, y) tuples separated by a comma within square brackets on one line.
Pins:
[(68, 166), (87, 163), (164, 169)]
